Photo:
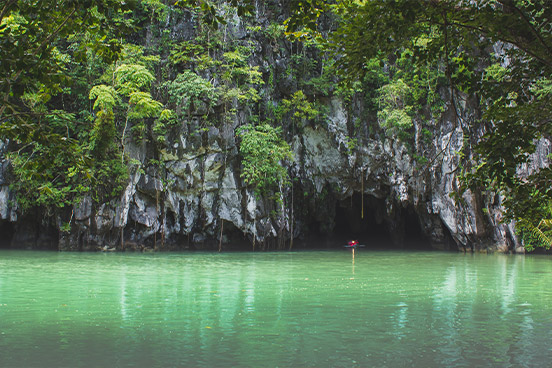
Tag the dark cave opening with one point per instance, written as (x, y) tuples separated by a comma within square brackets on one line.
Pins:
[(369, 228), (372, 227), (414, 237), (7, 230)]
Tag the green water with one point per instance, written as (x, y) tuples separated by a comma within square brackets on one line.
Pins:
[(275, 310)]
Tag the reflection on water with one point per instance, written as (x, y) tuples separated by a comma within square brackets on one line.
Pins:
[(274, 309)]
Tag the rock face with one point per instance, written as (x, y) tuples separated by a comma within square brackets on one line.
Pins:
[(203, 203), (375, 191)]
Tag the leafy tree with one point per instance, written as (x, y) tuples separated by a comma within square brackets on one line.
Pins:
[(189, 92), (394, 114), (130, 84), (241, 80), (298, 110), (263, 151), (31, 61), (300, 106)]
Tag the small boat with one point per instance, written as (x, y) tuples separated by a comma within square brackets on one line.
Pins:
[(353, 244)]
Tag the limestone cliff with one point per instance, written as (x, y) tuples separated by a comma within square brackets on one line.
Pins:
[(376, 191)]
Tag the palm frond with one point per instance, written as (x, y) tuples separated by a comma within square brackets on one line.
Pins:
[(542, 237)]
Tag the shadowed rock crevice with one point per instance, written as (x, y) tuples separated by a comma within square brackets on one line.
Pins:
[(32, 232), (7, 230), (414, 237)]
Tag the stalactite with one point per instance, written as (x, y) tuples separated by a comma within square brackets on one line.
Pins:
[(362, 194), (221, 231)]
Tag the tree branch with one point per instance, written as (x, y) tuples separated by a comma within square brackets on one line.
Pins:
[(55, 32), (47, 40), (502, 38), (531, 26)]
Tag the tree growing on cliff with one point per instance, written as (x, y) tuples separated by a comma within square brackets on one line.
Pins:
[(263, 151), (499, 50)]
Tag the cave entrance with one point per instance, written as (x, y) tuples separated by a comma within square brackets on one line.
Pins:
[(370, 229), (414, 237), (375, 229), (7, 230)]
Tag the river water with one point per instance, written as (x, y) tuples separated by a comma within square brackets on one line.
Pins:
[(296, 309)]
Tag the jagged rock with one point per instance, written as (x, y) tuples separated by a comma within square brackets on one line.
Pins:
[(83, 210), (4, 202), (230, 206), (144, 211), (104, 218)]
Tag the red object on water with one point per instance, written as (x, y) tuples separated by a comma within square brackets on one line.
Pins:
[(352, 243)]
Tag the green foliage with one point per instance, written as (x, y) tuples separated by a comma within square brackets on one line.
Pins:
[(542, 89), (165, 121), (263, 152), (29, 55), (44, 112), (125, 103), (50, 176), (394, 121), (130, 83), (539, 235), (131, 78), (190, 92), (157, 9), (393, 115), (352, 144), (133, 54), (312, 68), (192, 53), (241, 80), (110, 179), (103, 134), (407, 92), (275, 31), (237, 81), (298, 109), (71, 89), (104, 97), (143, 106), (209, 10)]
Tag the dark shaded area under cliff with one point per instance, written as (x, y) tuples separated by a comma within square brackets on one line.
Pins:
[(370, 225), (367, 222), (7, 231), (28, 233)]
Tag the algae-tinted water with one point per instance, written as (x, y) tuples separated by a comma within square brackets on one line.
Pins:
[(299, 309)]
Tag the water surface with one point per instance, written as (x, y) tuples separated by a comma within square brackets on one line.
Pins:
[(308, 309)]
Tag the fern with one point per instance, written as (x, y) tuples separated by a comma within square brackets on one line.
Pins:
[(540, 235), (130, 78), (144, 105), (543, 239), (104, 96)]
